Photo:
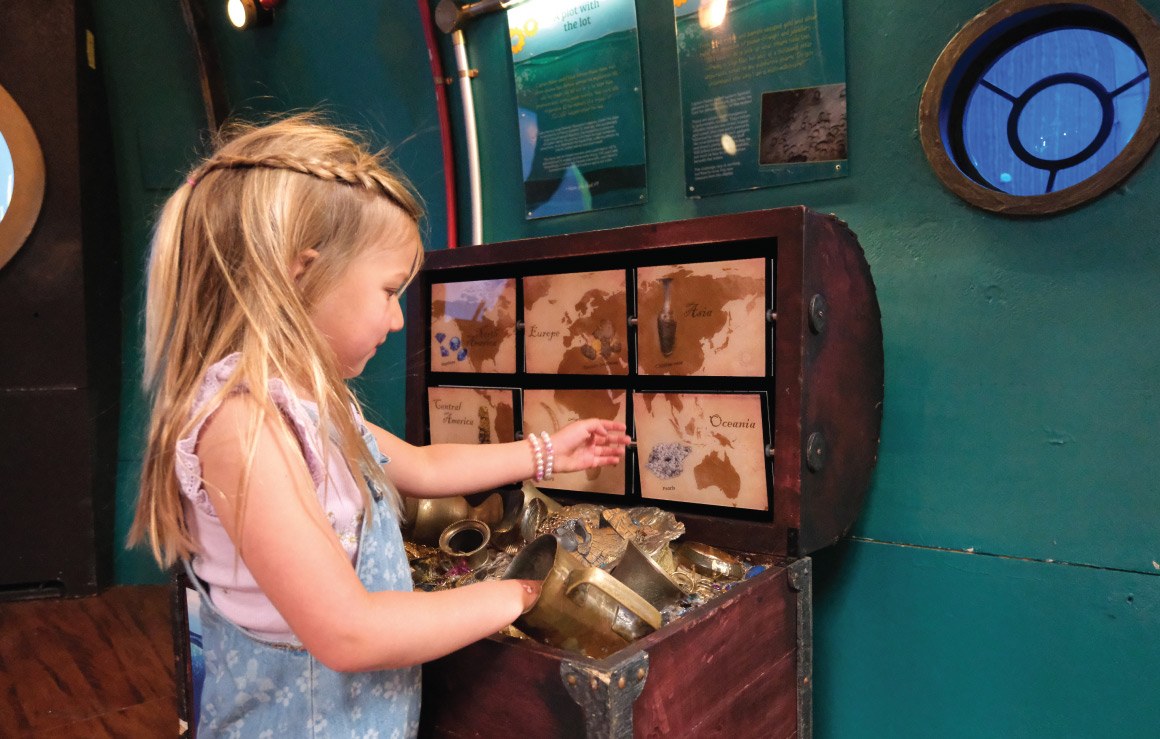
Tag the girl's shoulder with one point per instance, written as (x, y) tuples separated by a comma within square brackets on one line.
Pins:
[(230, 446), (223, 437)]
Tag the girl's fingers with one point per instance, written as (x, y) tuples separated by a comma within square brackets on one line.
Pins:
[(610, 448), (614, 442)]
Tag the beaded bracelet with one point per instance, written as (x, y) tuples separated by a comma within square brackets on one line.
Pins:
[(538, 455), (551, 455)]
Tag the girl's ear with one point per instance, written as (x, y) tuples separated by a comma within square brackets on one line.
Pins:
[(301, 262)]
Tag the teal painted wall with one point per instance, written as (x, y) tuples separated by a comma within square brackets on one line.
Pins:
[(1004, 578), (362, 62)]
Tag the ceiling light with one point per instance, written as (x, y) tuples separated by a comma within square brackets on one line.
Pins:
[(250, 13)]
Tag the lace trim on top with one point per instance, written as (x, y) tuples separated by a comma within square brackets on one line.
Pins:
[(189, 466)]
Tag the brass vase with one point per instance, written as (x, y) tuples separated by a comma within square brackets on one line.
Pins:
[(428, 517), (466, 542), (666, 324)]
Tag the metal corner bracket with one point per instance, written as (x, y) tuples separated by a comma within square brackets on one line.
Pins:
[(606, 696)]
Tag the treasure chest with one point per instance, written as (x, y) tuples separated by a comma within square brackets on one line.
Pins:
[(744, 354)]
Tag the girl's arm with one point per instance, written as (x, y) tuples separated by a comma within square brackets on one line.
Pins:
[(441, 470), (297, 561)]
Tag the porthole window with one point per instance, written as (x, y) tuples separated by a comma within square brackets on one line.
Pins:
[(21, 177), (1037, 106)]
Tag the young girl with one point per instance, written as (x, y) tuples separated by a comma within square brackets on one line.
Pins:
[(275, 273)]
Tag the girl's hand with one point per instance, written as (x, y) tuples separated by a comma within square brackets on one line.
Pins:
[(589, 443)]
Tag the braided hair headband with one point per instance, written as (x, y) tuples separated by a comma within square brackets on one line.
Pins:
[(323, 170)]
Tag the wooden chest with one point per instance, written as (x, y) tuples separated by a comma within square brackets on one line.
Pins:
[(741, 665)]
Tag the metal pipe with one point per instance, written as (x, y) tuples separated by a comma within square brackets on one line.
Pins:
[(444, 125), (460, 44), (451, 18)]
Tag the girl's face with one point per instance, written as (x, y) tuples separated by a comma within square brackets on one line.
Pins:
[(362, 307)]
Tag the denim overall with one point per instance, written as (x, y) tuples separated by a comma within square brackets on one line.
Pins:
[(256, 689)]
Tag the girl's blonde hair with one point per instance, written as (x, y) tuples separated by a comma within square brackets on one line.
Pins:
[(220, 281)]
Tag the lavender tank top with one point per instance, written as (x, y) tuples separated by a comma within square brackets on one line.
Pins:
[(231, 586)]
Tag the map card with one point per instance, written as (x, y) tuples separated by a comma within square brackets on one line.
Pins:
[(549, 410), (576, 324), (702, 319), (473, 326), (471, 415), (701, 448)]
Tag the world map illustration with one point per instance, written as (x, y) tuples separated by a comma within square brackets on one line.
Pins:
[(576, 323), (702, 448), (550, 410), (473, 326), (702, 319), (468, 415)]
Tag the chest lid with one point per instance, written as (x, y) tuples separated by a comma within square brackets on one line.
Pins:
[(743, 352)]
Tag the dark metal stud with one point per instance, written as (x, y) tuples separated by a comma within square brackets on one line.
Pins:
[(819, 313), (816, 452)]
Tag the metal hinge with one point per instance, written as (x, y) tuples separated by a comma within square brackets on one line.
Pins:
[(801, 579)]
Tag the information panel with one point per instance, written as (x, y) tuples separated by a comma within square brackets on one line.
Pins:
[(763, 92), (581, 117)]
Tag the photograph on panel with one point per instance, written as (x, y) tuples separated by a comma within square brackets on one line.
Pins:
[(473, 326), (576, 324), (704, 318), (804, 125), (551, 410), (471, 415), (702, 448)]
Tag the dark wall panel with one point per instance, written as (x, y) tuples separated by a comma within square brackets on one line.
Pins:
[(42, 288), (47, 526), (59, 302)]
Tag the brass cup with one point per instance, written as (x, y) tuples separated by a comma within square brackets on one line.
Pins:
[(581, 609), (639, 572), (466, 541)]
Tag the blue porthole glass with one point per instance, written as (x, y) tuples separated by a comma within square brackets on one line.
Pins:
[(1053, 110), (1036, 106)]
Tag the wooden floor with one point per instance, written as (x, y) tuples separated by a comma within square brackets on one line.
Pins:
[(88, 667)]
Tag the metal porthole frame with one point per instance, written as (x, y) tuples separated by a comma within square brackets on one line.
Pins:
[(1134, 18), (28, 177)]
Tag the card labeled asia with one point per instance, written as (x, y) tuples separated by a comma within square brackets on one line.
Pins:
[(702, 318)]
